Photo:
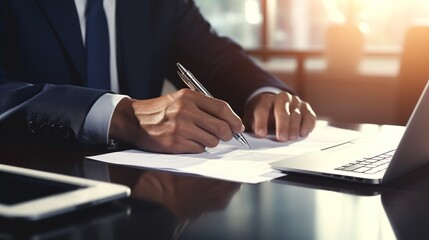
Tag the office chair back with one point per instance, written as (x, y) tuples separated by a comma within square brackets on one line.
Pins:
[(414, 71)]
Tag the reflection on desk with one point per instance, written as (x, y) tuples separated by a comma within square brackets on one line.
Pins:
[(187, 197), (406, 208)]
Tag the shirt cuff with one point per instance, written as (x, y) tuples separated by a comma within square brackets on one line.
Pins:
[(273, 90), (97, 122)]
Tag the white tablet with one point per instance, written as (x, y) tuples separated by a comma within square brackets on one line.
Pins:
[(32, 195)]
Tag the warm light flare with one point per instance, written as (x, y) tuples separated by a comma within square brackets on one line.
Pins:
[(364, 10), (381, 21)]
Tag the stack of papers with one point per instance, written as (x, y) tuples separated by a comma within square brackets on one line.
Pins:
[(232, 161)]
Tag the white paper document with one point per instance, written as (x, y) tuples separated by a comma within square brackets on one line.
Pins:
[(231, 160)]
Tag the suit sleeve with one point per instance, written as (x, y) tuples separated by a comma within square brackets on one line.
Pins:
[(220, 63), (43, 113)]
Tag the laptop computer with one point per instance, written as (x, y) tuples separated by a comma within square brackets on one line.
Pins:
[(372, 161), (29, 195)]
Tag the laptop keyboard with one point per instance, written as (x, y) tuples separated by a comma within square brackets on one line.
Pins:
[(369, 165)]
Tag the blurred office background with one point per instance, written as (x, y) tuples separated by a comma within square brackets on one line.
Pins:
[(346, 57)]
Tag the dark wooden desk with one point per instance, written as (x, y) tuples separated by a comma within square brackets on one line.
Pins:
[(164, 205)]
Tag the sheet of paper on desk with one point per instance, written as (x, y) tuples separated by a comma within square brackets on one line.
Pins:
[(230, 160)]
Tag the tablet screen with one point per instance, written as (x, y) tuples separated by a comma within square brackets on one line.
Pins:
[(16, 188)]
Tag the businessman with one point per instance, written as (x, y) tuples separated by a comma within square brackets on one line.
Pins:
[(91, 71)]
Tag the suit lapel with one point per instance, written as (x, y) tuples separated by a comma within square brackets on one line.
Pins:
[(134, 47), (64, 19)]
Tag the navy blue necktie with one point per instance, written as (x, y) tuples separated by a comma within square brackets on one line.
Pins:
[(97, 46)]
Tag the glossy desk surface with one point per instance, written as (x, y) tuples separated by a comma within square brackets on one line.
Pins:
[(171, 206)]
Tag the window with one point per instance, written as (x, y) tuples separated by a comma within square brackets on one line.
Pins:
[(238, 19), (302, 23)]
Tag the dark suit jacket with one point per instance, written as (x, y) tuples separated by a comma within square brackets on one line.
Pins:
[(43, 66)]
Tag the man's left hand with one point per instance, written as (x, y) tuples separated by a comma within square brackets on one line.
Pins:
[(290, 116)]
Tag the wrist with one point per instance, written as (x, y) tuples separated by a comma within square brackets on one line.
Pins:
[(123, 121), (97, 121)]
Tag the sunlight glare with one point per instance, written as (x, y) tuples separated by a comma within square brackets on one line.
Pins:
[(252, 12)]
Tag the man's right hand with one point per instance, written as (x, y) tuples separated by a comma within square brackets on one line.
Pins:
[(181, 122)]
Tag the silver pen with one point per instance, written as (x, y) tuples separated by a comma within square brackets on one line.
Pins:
[(195, 85)]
